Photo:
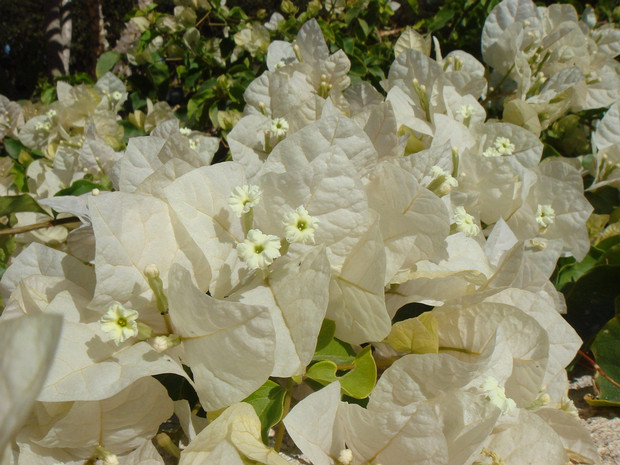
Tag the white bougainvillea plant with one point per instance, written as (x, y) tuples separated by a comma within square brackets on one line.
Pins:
[(275, 278), (80, 139)]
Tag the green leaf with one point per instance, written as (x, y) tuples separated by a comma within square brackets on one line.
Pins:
[(268, 402), (364, 26), (326, 334), (18, 203), (358, 382), (48, 96), (159, 74), (336, 351), (573, 271), (13, 147), (131, 131), (324, 372), (606, 350), (79, 187), (20, 179), (7, 249), (106, 62)]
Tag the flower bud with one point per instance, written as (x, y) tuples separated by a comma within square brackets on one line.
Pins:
[(151, 271)]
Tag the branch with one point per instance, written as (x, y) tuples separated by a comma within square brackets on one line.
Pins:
[(45, 224), (599, 369)]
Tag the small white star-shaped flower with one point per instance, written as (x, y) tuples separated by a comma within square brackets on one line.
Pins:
[(504, 146), (491, 152), (345, 457), (545, 215), (466, 111), (299, 226), (449, 182), (496, 394), (279, 127), (119, 323), (243, 198), (259, 250), (465, 222)]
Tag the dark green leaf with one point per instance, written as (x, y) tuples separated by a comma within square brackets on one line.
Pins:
[(606, 350), (18, 203), (129, 131), (13, 147), (268, 401), (573, 271), (79, 187), (326, 334)]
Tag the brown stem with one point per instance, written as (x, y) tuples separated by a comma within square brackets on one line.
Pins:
[(203, 18), (45, 224), (599, 369), (390, 32)]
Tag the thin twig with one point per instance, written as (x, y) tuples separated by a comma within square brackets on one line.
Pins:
[(599, 369), (45, 224), (203, 18), (390, 32)]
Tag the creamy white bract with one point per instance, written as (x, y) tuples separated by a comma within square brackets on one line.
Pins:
[(367, 203)]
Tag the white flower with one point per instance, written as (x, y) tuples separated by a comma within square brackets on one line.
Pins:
[(244, 198), (504, 146), (443, 182), (105, 457), (185, 131), (259, 250), (345, 457), (497, 395), (41, 126), (545, 215), (116, 95), (465, 222), (193, 144), (466, 111), (569, 407), (299, 226), (501, 146), (111, 460), (51, 113), (491, 152), (279, 127), (120, 323)]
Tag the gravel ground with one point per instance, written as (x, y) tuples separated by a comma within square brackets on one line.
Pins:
[(602, 422)]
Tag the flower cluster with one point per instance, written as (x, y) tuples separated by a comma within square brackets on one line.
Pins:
[(340, 206)]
